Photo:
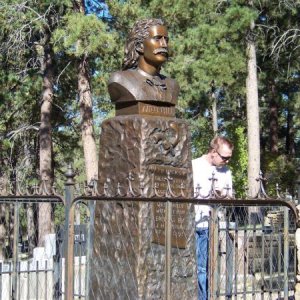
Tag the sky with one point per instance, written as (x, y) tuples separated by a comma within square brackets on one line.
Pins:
[(97, 7)]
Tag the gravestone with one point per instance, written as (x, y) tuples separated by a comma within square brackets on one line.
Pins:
[(148, 142)]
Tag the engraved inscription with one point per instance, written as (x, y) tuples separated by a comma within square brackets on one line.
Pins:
[(179, 210), (157, 110)]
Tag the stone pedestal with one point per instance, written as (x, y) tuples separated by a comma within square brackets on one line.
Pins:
[(129, 252)]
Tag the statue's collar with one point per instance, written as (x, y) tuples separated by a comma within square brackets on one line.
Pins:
[(145, 74), (153, 80)]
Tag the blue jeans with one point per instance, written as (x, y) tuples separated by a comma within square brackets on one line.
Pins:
[(202, 236)]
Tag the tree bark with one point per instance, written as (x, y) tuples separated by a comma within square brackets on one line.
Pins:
[(86, 110), (3, 208), (87, 130), (3, 229), (214, 111), (252, 117), (290, 135), (214, 114), (45, 138), (31, 231), (273, 120)]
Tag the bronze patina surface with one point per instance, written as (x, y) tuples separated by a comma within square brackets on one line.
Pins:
[(147, 141), (130, 237), (140, 80), (144, 108), (179, 176)]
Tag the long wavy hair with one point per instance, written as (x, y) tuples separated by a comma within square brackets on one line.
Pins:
[(137, 35)]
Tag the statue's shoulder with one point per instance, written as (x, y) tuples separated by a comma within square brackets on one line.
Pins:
[(173, 85), (132, 85), (172, 82), (117, 77), (122, 77), (121, 85)]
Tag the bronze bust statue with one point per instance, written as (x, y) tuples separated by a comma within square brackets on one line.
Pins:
[(140, 88)]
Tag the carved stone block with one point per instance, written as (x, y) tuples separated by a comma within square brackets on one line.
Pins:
[(129, 237)]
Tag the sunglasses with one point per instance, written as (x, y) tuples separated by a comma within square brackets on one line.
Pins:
[(224, 158)]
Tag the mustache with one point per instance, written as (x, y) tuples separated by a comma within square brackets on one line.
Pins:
[(160, 50)]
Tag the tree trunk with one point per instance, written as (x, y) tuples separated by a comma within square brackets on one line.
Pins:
[(290, 135), (3, 207), (214, 107), (3, 229), (46, 169), (214, 114), (86, 111), (87, 130), (31, 231), (273, 121), (252, 117)]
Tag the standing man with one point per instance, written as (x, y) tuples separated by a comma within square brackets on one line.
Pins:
[(204, 168)]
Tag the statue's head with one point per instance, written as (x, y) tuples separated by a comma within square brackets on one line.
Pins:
[(134, 47)]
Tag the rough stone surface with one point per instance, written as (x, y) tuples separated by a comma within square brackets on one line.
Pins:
[(127, 262)]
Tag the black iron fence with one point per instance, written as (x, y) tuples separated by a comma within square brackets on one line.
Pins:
[(248, 260)]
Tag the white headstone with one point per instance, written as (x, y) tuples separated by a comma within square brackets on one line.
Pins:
[(50, 245), (39, 253)]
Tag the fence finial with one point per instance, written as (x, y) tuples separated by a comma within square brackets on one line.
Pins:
[(70, 174)]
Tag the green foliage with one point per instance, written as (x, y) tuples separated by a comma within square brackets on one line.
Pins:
[(281, 170), (201, 135), (81, 34), (59, 214), (239, 161)]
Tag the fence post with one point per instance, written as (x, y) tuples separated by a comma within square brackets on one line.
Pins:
[(69, 230), (297, 240), (229, 256), (298, 185), (15, 288), (213, 254), (168, 241), (57, 267), (286, 253), (90, 239)]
